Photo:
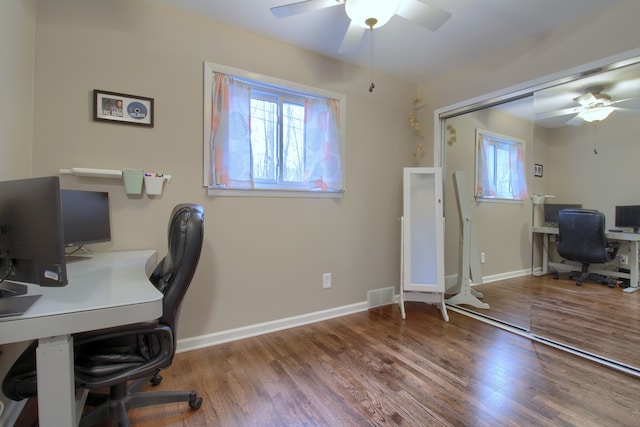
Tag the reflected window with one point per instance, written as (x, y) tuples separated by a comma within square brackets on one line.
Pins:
[(500, 167)]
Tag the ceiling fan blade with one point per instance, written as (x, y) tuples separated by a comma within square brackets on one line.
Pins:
[(620, 101), (575, 121), (301, 7), (352, 38), (424, 15), (558, 113)]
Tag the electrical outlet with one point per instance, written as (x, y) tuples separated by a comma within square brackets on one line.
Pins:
[(624, 259), (326, 280), (482, 258)]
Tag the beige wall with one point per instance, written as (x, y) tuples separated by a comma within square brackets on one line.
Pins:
[(263, 258), (17, 45), (607, 32), (598, 181)]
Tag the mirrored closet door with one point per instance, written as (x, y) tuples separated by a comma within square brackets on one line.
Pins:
[(570, 160)]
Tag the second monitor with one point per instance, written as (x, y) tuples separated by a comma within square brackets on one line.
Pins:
[(628, 217), (85, 217)]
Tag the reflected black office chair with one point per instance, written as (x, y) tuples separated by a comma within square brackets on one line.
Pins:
[(115, 356), (582, 238)]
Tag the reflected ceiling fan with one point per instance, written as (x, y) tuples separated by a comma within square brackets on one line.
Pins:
[(370, 14), (595, 106)]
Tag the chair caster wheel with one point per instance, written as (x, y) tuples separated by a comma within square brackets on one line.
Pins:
[(578, 283), (155, 380), (195, 403)]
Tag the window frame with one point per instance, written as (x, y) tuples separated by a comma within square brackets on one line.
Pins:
[(502, 139), (270, 84)]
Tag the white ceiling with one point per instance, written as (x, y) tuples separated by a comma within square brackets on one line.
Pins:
[(402, 48)]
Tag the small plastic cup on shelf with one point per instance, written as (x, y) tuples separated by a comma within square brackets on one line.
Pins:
[(153, 183), (132, 180)]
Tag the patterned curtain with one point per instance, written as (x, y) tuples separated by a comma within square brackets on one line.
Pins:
[(518, 175), (485, 185), (231, 133), (323, 167)]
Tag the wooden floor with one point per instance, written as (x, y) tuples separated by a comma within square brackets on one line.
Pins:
[(593, 317), (373, 368)]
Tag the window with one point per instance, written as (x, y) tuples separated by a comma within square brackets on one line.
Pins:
[(500, 167), (268, 136)]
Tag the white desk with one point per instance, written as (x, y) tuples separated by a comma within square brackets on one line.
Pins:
[(634, 264), (111, 289)]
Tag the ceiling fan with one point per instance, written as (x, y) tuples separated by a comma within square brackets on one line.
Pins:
[(595, 106), (369, 14)]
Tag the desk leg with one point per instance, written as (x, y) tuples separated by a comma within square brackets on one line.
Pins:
[(634, 267), (545, 255), (56, 398)]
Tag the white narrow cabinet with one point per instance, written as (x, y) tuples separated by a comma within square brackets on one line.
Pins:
[(422, 239)]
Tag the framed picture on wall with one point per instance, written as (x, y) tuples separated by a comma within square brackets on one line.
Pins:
[(537, 170), (122, 108)]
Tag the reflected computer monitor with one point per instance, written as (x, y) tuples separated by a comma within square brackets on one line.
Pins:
[(31, 233), (551, 212), (628, 217)]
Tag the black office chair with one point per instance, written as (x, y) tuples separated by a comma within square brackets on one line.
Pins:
[(113, 357), (582, 238)]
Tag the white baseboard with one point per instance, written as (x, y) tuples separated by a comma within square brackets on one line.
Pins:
[(453, 279), (221, 337), (507, 275), (215, 338)]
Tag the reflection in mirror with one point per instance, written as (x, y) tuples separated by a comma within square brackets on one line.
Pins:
[(582, 147), (587, 139), (502, 236)]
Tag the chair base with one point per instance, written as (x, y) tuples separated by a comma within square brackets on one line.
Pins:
[(581, 276), (122, 397)]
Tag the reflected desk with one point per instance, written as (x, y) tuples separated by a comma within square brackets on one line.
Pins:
[(634, 244), (110, 289)]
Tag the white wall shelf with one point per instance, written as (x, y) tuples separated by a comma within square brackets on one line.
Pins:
[(153, 181), (94, 173)]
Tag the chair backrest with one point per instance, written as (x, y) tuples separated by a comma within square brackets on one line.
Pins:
[(173, 274), (581, 236)]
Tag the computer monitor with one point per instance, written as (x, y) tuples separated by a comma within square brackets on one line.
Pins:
[(551, 211), (31, 233), (85, 217), (628, 217)]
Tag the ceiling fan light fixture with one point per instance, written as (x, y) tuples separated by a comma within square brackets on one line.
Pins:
[(360, 11), (597, 114)]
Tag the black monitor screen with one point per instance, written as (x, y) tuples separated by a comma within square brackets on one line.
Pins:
[(31, 237), (551, 211), (628, 217), (85, 217)]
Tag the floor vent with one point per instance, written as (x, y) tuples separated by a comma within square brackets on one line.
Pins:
[(378, 297)]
